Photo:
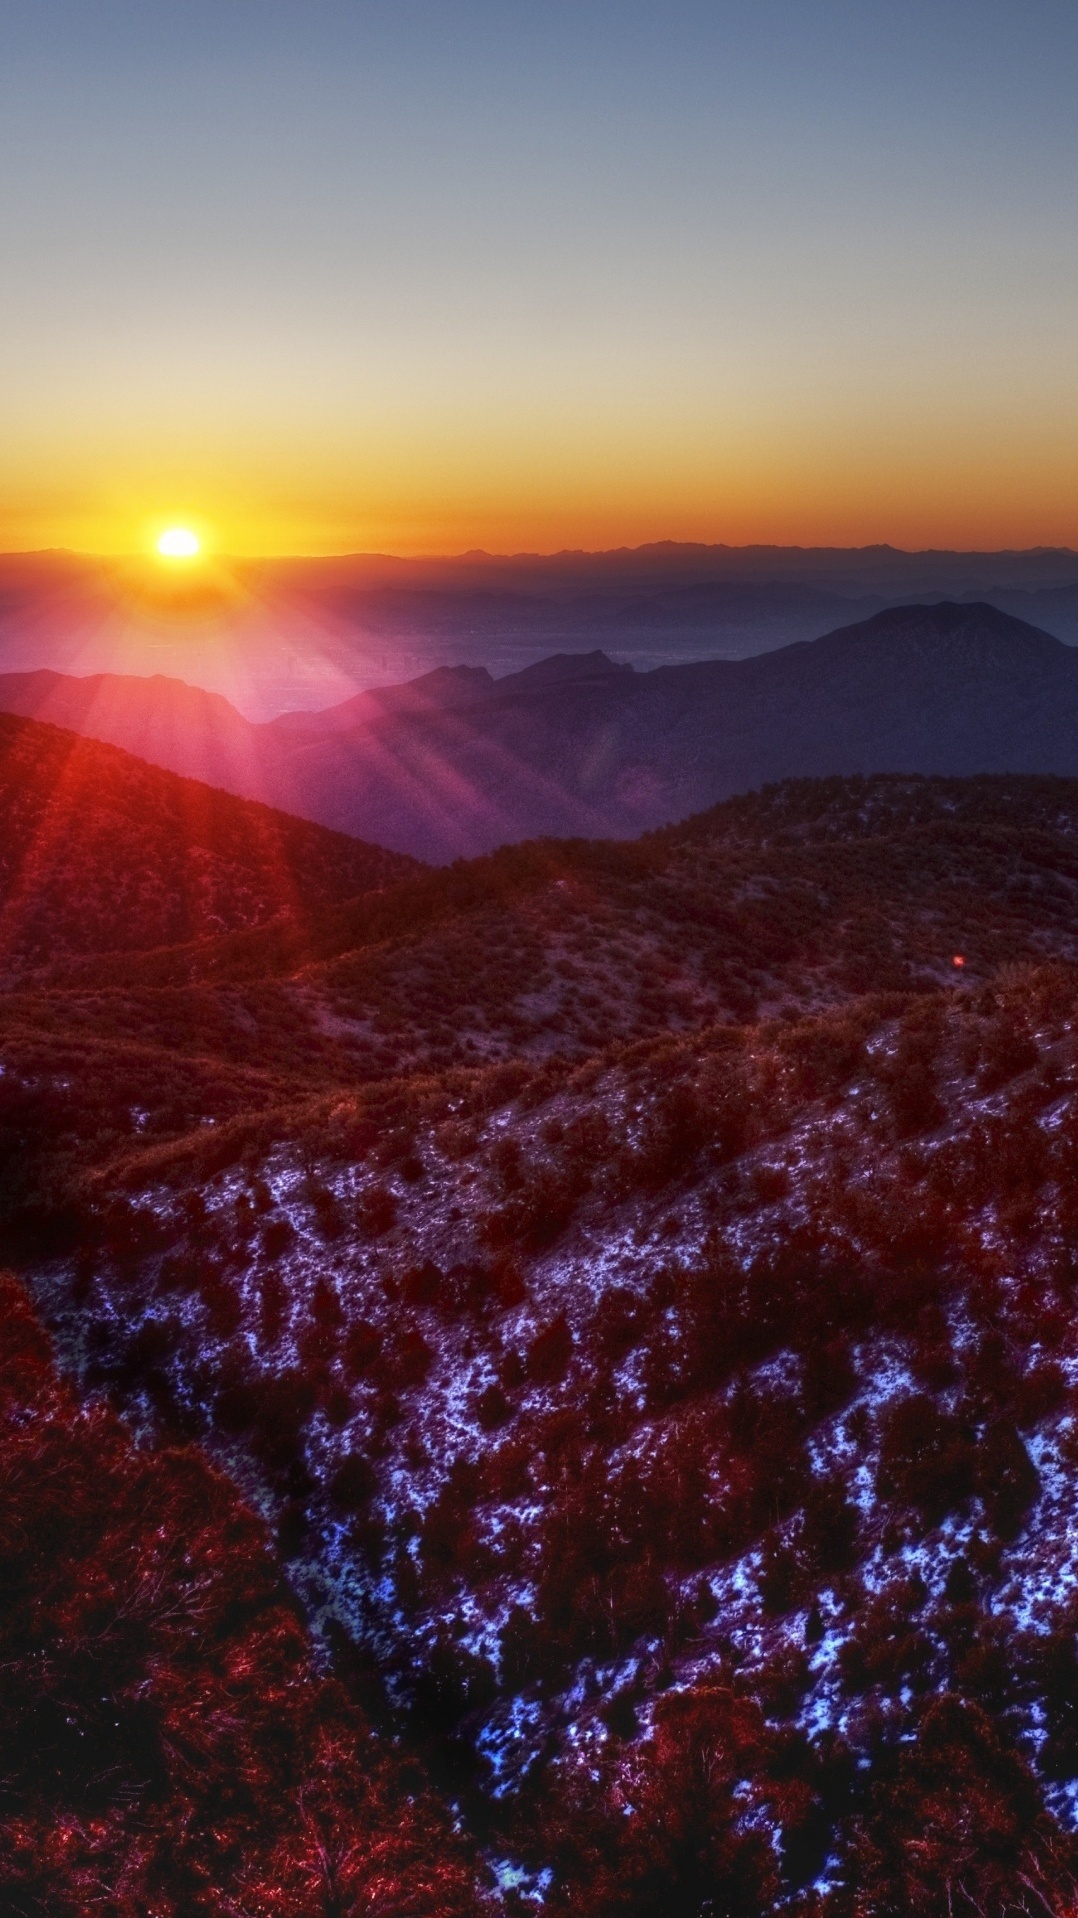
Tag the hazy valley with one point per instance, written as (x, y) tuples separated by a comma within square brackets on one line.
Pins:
[(457, 762), (275, 635)]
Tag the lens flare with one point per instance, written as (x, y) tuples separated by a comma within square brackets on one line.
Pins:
[(178, 543)]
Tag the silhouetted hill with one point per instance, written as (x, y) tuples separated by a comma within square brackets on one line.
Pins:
[(180, 727), (274, 634), (455, 763), (99, 852), (447, 688), (1054, 608)]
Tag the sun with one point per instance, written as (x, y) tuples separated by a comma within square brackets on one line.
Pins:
[(178, 542)]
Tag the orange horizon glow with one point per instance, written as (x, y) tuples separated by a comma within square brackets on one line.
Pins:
[(801, 468), (748, 276), (443, 534), (970, 485)]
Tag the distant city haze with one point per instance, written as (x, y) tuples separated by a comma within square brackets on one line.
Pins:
[(278, 635)]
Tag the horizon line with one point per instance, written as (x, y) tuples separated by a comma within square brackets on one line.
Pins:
[(479, 553)]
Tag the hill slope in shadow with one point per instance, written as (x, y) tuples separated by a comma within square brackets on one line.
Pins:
[(101, 852)]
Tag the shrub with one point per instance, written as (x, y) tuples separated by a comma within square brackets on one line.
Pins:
[(550, 1352), (362, 1348), (376, 1211), (492, 1408), (352, 1483), (927, 1458), (277, 1236), (1007, 1479), (407, 1360)]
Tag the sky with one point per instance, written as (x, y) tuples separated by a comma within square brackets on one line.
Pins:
[(426, 275)]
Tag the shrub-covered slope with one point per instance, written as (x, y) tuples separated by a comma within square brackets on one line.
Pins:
[(100, 852), (667, 1419), (778, 904), (784, 901), (168, 1744), (706, 1412)]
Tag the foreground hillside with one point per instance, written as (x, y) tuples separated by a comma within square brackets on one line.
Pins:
[(780, 903), (457, 763), (635, 1284), (721, 1394)]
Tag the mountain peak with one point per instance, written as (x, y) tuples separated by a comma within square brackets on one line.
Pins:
[(569, 669), (950, 619)]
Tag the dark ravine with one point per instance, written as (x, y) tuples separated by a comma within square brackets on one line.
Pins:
[(455, 762)]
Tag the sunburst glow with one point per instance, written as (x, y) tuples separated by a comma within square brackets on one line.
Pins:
[(179, 542)]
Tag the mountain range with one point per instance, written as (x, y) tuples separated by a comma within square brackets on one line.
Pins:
[(275, 634), (456, 762)]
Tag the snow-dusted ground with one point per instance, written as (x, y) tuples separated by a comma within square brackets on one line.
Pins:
[(420, 1435)]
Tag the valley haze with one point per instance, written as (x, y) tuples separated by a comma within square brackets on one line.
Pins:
[(272, 635), (456, 762)]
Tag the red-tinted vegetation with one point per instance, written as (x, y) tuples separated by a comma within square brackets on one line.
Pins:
[(103, 853), (168, 1746), (674, 1427)]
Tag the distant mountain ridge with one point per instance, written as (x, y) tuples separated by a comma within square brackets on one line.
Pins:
[(279, 633), (455, 762)]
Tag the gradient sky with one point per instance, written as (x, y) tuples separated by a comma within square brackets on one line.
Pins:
[(419, 275)]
